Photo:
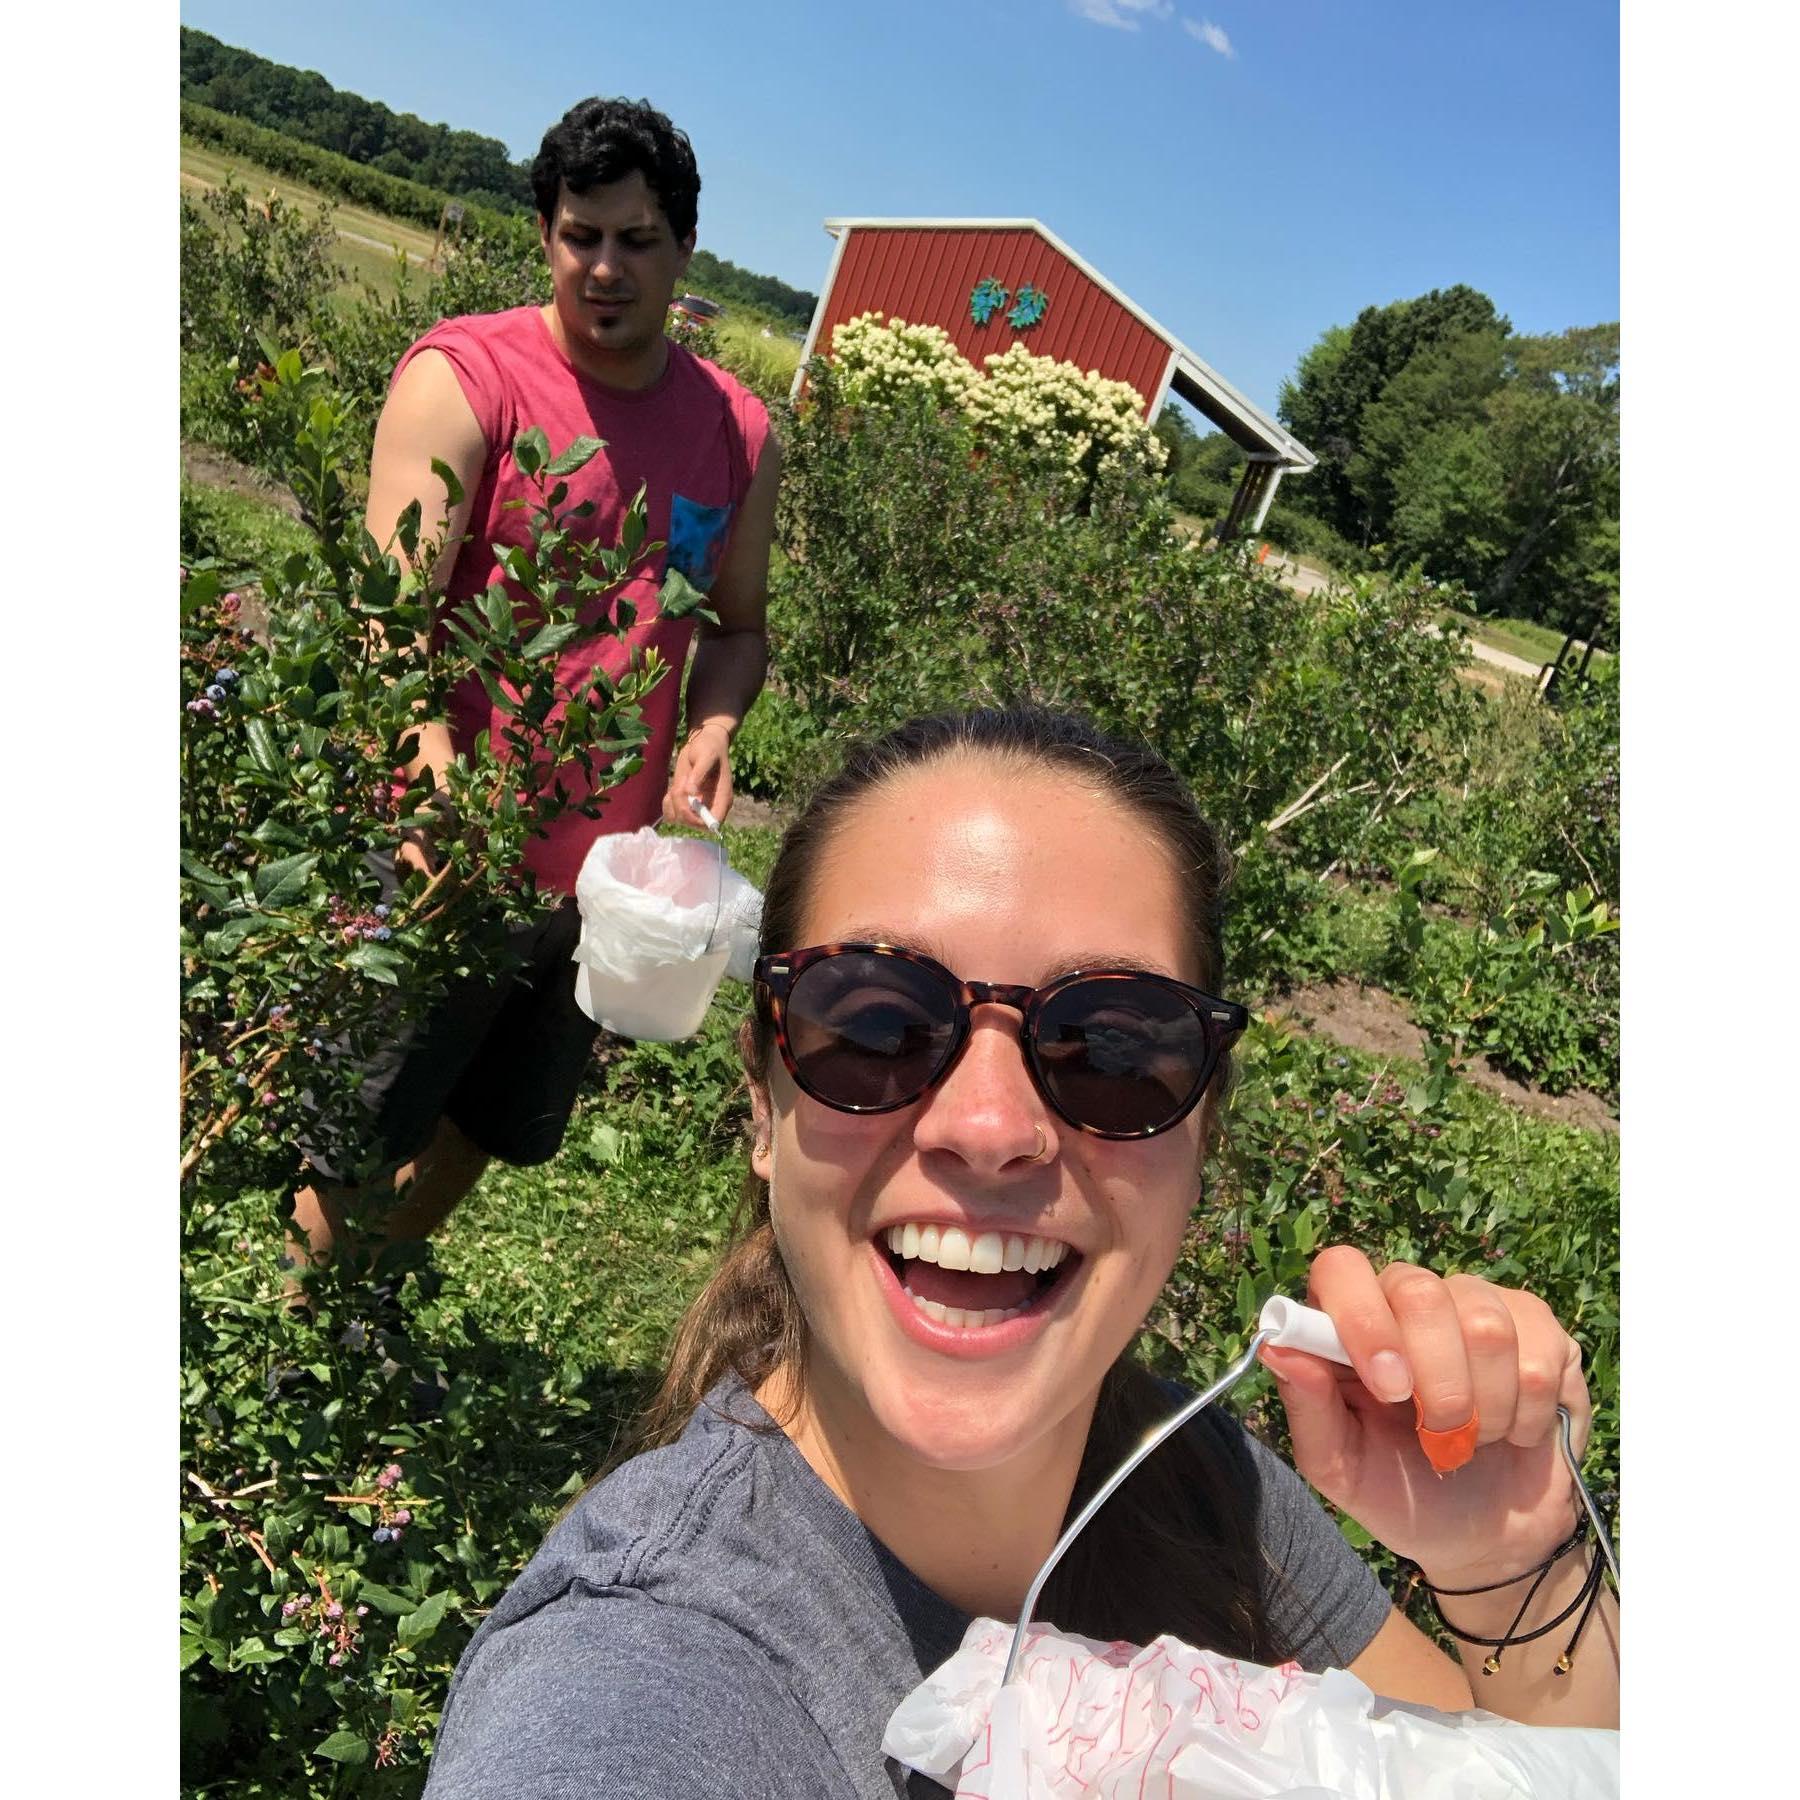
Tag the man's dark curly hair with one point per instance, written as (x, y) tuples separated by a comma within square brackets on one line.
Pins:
[(598, 141)]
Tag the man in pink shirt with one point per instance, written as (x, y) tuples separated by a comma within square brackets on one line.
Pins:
[(494, 1071)]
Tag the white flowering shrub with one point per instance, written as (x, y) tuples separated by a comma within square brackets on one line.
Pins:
[(880, 363), (1050, 411), (1053, 409)]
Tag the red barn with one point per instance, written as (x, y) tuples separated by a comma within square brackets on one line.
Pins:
[(991, 283)]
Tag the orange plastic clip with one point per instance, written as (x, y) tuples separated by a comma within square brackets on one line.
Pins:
[(1447, 1451)]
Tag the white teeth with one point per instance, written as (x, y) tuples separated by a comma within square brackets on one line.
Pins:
[(953, 1249), (987, 1254), (963, 1319)]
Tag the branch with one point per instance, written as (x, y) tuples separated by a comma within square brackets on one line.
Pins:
[(218, 1503)]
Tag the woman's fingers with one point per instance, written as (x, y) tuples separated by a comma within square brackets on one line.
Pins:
[(1488, 1361), (1491, 1350), (1342, 1283), (1549, 1374), (1322, 1427), (1431, 1331)]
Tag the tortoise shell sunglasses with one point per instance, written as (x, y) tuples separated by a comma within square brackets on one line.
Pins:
[(869, 1028)]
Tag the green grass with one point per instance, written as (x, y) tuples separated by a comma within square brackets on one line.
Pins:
[(242, 532), (1519, 637), (766, 365)]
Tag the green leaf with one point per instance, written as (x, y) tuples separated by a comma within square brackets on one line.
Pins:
[(425, 1619), (578, 455), (679, 596), (216, 887), (407, 530), (385, 1600), (531, 450), (344, 1747), (549, 639), (262, 746), (282, 883), (192, 1649), (199, 590), (447, 475), (1354, 1534), (217, 945), (497, 609), (377, 962)]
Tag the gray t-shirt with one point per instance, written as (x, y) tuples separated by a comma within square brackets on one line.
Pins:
[(711, 1620)]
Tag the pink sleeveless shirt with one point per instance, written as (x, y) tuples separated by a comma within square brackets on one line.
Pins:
[(693, 439)]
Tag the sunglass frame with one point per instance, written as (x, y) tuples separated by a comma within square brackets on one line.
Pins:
[(1222, 1021)]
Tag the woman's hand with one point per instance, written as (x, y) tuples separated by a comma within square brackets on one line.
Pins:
[(1465, 1348), (702, 771)]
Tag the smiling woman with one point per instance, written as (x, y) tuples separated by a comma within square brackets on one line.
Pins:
[(984, 1067)]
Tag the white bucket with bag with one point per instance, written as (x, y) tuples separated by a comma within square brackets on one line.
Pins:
[(663, 921)]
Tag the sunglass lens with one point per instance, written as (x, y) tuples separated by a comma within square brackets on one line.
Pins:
[(868, 1031), (1120, 1056)]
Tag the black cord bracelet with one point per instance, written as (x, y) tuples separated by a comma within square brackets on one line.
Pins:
[(1572, 1541), (1586, 1596)]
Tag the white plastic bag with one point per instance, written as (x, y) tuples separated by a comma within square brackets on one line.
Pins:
[(1087, 1719), (663, 921)]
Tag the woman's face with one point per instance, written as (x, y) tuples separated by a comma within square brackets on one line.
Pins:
[(1002, 876)]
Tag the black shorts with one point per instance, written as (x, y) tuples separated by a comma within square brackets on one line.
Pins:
[(502, 1060)]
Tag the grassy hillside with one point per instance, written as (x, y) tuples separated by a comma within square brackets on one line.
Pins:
[(367, 240)]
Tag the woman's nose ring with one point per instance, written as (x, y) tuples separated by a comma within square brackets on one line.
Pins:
[(1043, 1144)]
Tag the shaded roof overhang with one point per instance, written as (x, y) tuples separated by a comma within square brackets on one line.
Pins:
[(1200, 385)]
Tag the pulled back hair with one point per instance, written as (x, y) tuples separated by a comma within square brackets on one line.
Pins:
[(1177, 1548), (599, 141)]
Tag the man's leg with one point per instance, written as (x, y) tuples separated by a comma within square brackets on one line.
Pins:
[(426, 1190)]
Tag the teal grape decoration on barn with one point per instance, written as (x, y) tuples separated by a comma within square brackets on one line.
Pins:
[(1028, 309), (988, 298)]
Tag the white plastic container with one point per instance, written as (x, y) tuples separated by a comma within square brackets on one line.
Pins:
[(660, 921)]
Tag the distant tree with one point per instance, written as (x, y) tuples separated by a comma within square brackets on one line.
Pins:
[(1514, 491), (1347, 371)]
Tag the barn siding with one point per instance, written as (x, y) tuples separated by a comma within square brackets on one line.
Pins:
[(925, 275)]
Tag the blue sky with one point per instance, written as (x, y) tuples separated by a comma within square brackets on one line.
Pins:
[(1249, 171)]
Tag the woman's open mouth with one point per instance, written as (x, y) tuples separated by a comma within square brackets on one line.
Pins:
[(975, 1282)]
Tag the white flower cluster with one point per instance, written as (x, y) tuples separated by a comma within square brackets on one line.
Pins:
[(1035, 402), (877, 362), (1053, 407)]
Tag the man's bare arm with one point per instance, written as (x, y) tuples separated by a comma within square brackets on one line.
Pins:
[(426, 417), (732, 656)]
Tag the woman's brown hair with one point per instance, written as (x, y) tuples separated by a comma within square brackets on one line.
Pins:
[(1176, 1549)]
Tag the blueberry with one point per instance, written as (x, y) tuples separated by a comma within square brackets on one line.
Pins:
[(381, 912), (382, 934), (382, 1534), (215, 692), (229, 677)]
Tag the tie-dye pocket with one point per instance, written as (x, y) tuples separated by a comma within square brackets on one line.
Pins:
[(697, 539)]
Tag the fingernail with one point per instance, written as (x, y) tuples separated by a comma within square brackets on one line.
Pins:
[(1392, 1378)]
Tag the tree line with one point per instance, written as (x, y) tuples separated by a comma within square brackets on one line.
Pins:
[(303, 105), (1447, 440)]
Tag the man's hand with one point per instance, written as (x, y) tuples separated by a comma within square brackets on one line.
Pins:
[(416, 851), (702, 771)]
